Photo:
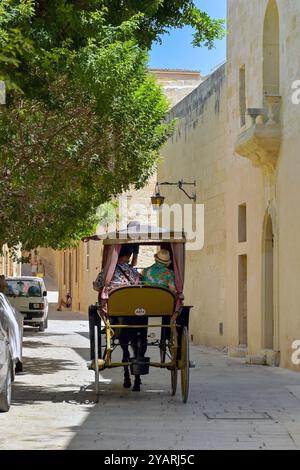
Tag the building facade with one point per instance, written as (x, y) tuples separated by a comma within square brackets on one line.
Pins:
[(238, 135), (8, 267), (176, 83)]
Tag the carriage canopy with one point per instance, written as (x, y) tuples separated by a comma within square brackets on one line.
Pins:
[(144, 235)]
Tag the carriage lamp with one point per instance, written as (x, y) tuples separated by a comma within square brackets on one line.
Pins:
[(157, 200)]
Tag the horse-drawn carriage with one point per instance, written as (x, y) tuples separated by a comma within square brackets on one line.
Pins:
[(122, 315)]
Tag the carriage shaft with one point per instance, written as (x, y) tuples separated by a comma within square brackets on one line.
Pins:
[(160, 365), (109, 334), (140, 326)]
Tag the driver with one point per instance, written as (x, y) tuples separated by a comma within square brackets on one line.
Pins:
[(124, 275)]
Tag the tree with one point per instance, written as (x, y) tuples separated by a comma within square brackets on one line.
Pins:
[(161, 15), (84, 121), (14, 44)]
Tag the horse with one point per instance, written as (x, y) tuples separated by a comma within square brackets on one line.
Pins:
[(133, 337), (136, 338)]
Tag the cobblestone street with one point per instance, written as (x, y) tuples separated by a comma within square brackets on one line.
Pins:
[(231, 405)]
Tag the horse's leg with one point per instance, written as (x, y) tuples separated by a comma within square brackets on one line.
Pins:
[(136, 346), (127, 381), (137, 383), (140, 347), (123, 341)]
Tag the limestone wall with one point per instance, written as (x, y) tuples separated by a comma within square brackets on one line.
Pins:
[(50, 259), (177, 84), (288, 184), (197, 152), (245, 183), (249, 283), (276, 195), (8, 267)]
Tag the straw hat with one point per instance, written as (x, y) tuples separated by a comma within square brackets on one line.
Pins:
[(163, 257)]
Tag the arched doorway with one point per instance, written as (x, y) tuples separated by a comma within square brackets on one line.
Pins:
[(271, 50), (268, 288)]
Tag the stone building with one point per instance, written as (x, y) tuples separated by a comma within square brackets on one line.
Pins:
[(8, 266), (75, 270), (177, 83), (238, 135)]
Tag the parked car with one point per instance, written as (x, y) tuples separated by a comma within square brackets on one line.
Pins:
[(11, 337), (19, 319), (29, 296)]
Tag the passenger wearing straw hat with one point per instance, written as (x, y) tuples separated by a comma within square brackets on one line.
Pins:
[(159, 274)]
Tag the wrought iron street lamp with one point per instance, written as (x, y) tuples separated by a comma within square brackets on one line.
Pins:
[(157, 200)]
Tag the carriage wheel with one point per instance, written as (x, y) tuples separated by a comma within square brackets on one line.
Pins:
[(163, 351), (185, 365), (96, 361), (174, 380)]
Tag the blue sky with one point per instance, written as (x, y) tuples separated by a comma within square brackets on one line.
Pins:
[(176, 50)]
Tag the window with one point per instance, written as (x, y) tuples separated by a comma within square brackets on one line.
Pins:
[(242, 223), (243, 307), (271, 67), (70, 272), (65, 268), (24, 288), (88, 256), (243, 103), (76, 265), (6, 257)]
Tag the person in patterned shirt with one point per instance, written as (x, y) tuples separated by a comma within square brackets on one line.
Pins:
[(124, 275), (159, 274)]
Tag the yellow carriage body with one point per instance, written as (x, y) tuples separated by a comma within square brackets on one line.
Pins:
[(139, 301)]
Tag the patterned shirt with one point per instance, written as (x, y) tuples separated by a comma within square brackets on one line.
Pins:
[(124, 275), (159, 275)]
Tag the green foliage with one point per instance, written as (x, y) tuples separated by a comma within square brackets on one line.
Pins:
[(106, 213), (14, 44), (84, 121), (161, 15), (98, 133)]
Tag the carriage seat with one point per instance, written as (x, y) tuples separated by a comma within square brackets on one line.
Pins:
[(139, 301)]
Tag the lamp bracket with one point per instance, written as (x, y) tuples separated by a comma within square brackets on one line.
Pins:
[(180, 184)]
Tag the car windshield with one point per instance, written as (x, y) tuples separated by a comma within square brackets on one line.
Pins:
[(18, 288)]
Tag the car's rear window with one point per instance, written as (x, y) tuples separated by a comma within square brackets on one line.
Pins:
[(18, 288)]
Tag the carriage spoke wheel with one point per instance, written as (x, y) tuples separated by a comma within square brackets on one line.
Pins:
[(163, 351), (174, 380), (185, 365), (96, 361), (174, 372)]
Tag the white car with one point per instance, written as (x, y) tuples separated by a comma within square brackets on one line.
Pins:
[(11, 337), (29, 296)]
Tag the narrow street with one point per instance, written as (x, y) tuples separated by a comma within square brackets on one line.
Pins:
[(231, 405)]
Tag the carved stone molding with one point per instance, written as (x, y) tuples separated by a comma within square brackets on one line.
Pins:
[(261, 142)]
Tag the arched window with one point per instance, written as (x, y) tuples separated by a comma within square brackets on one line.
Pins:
[(271, 67)]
